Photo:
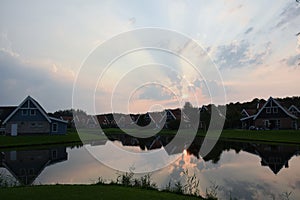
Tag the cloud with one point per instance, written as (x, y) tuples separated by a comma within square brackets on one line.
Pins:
[(19, 79), (156, 93), (239, 54), (289, 14), (292, 61), (248, 30)]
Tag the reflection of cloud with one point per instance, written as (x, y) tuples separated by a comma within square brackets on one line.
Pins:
[(244, 190), (239, 54)]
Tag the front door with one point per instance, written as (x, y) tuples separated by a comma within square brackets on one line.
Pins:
[(14, 129)]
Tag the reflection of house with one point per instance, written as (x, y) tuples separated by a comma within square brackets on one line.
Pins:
[(26, 165), (30, 118), (275, 156), (272, 115)]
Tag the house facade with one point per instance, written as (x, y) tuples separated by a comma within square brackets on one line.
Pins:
[(30, 118), (272, 115)]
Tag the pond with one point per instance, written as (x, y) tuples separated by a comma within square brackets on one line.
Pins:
[(244, 170)]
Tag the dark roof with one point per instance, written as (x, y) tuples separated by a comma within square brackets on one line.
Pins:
[(5, 111), (251, 111)]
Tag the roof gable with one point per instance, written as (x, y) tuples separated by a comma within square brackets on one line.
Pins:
[(28, 101), (294, 107), (5, 111), (270, 102), (244, 111)]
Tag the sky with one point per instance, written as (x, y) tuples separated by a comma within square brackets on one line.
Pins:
[(48, 48)]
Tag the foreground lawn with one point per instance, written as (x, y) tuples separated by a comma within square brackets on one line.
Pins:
[(86, 192)]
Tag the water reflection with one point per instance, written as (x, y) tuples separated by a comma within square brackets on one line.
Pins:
[(26, 165), (245, 170), (274, 156)]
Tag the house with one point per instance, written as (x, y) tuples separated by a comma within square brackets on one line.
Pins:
[(272, 115), (294, 110), (103, 121), (30, 118), (125, 120)]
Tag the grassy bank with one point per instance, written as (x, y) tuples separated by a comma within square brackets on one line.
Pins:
[(39, 140), (86, 192), (271, 136)]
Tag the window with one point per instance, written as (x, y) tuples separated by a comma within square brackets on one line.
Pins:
[(267, 123), (31, 171), (268, 110), (54, 154), (54, 127), (33, 125), (24, 112), (294, 124), (22, 172), (275, 110), (278, 123), (40, 125), (32, 112)]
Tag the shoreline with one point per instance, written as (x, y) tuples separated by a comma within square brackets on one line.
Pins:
[(291, 137)]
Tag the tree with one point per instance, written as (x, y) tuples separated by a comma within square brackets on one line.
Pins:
[(192, 114)]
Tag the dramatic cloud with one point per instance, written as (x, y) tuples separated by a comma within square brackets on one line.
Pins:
[(156, 93), (289, 14), (19, 79), (43, 45), (292, 61), (239, 54), (248, 30)]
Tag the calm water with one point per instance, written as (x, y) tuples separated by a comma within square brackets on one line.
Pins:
[(242, 170)]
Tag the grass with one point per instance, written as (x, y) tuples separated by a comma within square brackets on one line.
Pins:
[(86, 192), (39, 140), (271, 136)]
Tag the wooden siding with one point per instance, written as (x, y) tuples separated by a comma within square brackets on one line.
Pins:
[(29, 127), (61, 127)]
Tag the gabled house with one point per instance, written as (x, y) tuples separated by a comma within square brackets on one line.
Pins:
[(103, 121), (30, 118), (294, 110), (272, 115), (125, 120)]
